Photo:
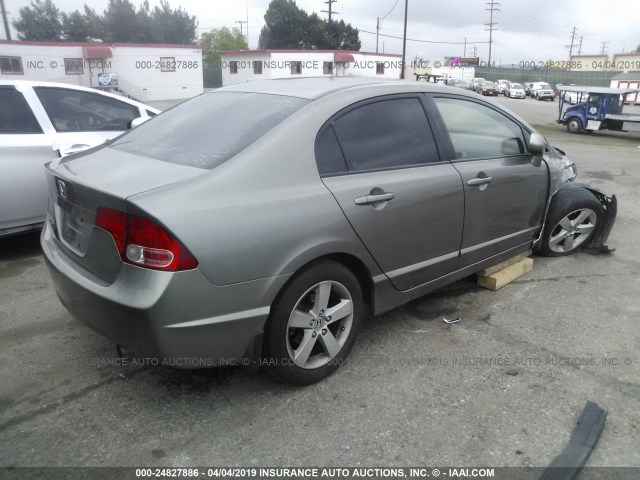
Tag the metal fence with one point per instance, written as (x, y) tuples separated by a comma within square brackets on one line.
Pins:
[(551, 76), (212, 75)]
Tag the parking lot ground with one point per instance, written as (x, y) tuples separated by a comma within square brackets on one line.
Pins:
[(414, 391)]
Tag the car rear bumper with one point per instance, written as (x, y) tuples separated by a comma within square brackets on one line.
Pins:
[(174, 318)]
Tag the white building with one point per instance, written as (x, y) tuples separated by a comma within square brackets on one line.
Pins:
[(251, 65), (145, 72), (628, 80)]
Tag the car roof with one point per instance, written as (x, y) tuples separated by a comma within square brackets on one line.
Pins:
[(313, 88), (35, 83)]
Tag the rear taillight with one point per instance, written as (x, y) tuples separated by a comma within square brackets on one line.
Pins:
[(145, 243)]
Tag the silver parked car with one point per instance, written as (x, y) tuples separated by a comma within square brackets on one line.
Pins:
[(260, 223), (40, 121)]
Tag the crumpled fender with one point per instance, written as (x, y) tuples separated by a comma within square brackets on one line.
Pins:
[(610, 207)]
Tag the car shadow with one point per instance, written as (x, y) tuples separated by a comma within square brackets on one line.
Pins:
[(17, 247)]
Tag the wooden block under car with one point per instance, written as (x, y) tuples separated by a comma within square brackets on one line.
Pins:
[(507, 275), (504, 264)]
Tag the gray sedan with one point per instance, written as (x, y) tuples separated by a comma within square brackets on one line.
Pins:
[(260, 223)]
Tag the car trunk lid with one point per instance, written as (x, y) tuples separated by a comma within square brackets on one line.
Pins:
[(82, 184)]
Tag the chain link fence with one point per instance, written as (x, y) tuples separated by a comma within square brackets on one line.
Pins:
[(551, 76)]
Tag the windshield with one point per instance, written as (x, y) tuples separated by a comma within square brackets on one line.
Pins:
[(545, 85), (208, 130), (487, 84), (516, 86)]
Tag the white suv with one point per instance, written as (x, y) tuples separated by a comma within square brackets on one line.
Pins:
[(542, 91)]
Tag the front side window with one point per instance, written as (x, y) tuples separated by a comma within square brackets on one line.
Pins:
[(11, 66), (208, 130), (16, 116), (386, 134), (478, 131), (79, 111)]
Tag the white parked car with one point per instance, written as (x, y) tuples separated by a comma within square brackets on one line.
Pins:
[(514, 90), (41, 121), (502, 84)]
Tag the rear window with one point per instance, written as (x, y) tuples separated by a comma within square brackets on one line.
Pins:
[(208, 130)]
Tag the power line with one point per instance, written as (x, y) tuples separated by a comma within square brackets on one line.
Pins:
[(379, 25), (417, 40)]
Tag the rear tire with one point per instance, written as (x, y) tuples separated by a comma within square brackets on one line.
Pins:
[(573, 219), (313, 324)]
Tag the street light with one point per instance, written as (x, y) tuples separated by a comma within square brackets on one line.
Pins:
[(404, 39)]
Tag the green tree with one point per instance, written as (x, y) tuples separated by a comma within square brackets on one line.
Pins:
[(221, 40), (285, 25), (75, 27), (173, 26), (289, 27), (341, 36), (120, 22), (39, 22)]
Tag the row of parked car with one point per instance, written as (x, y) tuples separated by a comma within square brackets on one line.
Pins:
[(538, 90)]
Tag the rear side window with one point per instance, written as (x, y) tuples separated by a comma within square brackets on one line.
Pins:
[(478, 131), (16, 116), (209, 129), (78, 111), (328, 153), (387, 134)]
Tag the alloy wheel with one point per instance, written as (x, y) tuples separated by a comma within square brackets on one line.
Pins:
[(572, 231)]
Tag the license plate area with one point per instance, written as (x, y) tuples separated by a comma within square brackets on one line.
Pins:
[(75, 225)]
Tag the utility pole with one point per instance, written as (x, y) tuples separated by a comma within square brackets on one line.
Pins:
[(5, 19), (492, 8), (604, 45), (377, 33), (404, 38), (330, 10), (247, 6), (580, 47), (573, 37), (241, 22), (465, 47)]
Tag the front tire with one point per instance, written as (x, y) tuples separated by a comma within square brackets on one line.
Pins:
[(574, 217), (574, 125), (313, 324)]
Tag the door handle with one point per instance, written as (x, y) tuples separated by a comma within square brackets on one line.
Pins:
[(479, 181), (369, 199)]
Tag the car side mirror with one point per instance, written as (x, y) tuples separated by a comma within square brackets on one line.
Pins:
[(536, 148), (137, 121)]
